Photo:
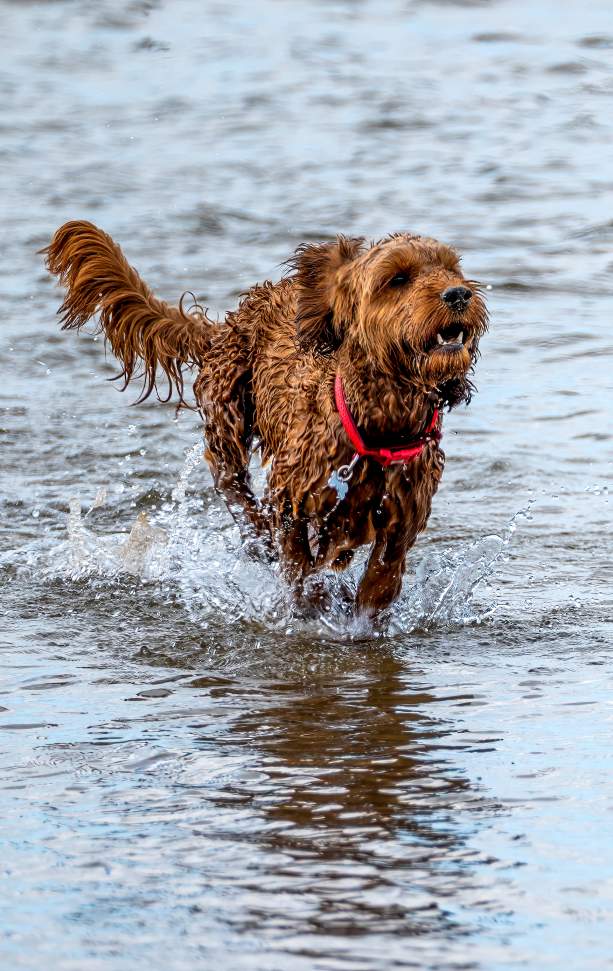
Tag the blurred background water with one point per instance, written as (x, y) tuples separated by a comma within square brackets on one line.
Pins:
[(190, 775)]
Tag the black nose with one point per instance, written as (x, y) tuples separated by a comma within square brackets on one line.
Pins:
[(456, 297)]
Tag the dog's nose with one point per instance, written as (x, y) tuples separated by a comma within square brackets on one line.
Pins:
[(456, 297)]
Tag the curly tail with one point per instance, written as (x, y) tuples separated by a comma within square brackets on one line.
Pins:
[(141, 329)]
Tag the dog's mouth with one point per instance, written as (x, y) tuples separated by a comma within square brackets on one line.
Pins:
[(449, 339)]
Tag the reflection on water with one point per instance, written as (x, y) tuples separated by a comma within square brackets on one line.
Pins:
[(191, 773), (301, 812), (342, 803)]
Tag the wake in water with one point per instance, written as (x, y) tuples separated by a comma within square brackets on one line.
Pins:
[(198, 551)]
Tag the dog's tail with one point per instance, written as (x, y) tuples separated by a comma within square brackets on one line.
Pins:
[(144, 332)]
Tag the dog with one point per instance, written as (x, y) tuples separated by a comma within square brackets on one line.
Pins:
[(337, 375)]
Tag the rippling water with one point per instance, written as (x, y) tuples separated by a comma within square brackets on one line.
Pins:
[(192, 776)]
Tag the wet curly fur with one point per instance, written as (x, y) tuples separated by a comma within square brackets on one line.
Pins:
[(375, 313)]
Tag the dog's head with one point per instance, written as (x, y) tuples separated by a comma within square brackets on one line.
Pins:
[(403, 303)]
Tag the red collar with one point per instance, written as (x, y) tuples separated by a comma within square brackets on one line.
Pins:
[(385, 456)]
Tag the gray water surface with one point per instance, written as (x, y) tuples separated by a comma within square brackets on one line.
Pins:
[(190, 775)]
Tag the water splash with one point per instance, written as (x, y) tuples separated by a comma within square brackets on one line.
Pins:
[(192, 545), (447, 583), (204, 556)]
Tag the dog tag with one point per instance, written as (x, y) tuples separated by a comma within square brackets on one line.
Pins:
[(340, 478), (339, 485)]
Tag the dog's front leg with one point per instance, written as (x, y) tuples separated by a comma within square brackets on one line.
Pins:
[(298, 563), (296, 556), (402, 516), (382, 578)]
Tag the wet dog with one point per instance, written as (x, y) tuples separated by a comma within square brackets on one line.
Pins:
[(338, 375)]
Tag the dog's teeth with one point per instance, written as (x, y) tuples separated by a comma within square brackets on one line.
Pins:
[(452, 340)]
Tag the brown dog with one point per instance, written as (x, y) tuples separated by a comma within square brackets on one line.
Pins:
[(337, 375)]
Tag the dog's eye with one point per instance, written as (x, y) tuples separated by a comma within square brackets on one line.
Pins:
[(399, 280)]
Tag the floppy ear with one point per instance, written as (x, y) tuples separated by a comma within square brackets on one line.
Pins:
[(316, 268)]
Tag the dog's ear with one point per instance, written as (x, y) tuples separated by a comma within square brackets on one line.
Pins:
[(316, 267)]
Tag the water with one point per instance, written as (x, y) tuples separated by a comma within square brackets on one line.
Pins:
[(192, 775)]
